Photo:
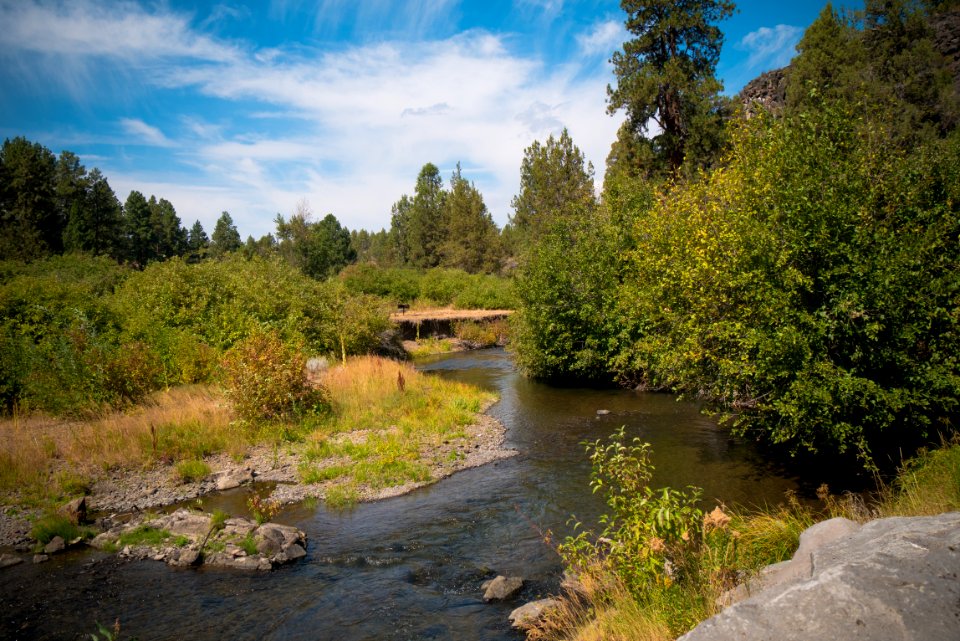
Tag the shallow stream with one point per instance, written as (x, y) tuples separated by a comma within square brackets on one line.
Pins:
[(408, 567)]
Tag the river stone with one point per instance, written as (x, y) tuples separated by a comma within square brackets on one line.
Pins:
[(291, 553), (9, 560), (501, 588), (75, 510), (183, 558), (893, 578), (185, 523), (238, 528), (103, 540), (56, 544), (40, 558), (233, 478), (527, 615)]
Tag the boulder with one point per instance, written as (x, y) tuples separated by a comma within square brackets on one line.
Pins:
[(893, 578), (185, 523), (233, 478), (40, 558), (528, 615), (501, 588), (273, 538), (103, 540), (9, 560), (291, 553), (56, 544), (75, 510)]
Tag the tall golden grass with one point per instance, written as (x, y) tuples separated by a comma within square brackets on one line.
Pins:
[(39, 453)]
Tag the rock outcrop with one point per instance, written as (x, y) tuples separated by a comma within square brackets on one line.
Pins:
[(767, 91), (894, 578)]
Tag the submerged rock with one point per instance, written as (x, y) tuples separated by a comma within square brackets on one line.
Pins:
[(9, 560)]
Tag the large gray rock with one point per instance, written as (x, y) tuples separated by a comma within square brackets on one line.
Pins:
[(501, 588), (892, 579), (185, 523)]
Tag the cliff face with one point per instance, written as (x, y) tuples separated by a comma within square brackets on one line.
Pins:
[(769, 90), (946, 38)]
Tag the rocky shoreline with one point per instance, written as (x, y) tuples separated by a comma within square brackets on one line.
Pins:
[(134, 490)]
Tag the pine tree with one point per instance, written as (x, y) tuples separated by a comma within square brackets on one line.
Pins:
[(555, 182), (31, 224), (665, 74), (472, 240), (139, 231), (225, 236)]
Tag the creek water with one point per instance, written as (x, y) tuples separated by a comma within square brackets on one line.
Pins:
[(408, 567)]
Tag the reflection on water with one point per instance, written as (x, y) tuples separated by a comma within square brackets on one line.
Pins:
[(409, 567)]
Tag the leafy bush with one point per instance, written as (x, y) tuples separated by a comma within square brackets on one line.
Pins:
[(647, 532), (805, 288), (437, 286), (265, 379)]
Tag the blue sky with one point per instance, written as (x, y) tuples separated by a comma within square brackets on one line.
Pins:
[(253, 108)]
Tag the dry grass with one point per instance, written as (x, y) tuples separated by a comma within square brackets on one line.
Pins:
[(600, 608), (181, 423), (386, 418)]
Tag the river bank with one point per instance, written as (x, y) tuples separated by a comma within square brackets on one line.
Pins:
[(390, 430)]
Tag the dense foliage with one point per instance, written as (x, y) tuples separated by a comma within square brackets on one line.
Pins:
[(81, 333), (807, 286), (436, 286)]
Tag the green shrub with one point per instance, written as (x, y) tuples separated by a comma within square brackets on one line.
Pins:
[(192, 470), (51, 525), (646, 532), (264, 378)]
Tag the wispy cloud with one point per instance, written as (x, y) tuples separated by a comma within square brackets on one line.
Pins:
[(770, 47), (87, 29), (603, 38), (145, 134)]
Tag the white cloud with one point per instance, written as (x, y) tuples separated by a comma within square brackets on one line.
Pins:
[(85, 28), (770, 48), (348, 129), (603, 38), (147, 134)]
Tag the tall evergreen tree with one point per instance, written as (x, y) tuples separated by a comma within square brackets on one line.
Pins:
[(225, 236), (665, 74), (472, 240), (555, 182), (96, 219), (31, 223), (140, 234), (169, 234), (426, 225), (197, 239)]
